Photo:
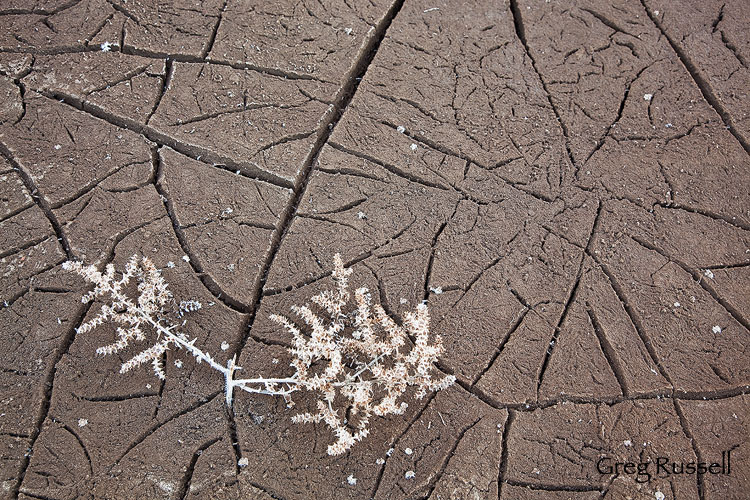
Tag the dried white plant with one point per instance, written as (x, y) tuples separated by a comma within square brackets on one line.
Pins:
[(351, 355)]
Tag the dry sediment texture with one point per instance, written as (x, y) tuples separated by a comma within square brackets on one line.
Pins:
[(564, 182)]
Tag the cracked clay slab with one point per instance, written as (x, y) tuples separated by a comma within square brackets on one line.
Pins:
[(564, 183)]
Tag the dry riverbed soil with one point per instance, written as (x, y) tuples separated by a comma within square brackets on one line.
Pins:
[(564, 182)]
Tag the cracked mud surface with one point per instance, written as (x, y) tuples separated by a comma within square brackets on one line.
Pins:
[(565, 183)]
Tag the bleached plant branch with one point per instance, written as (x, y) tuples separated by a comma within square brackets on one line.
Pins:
[(353, 356)]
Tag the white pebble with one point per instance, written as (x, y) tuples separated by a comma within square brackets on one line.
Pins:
[(647, 97), (413, 147), (409, 474), (400, 129), (243, 462), (224, 346), (716, 329), (351, 480), (82, 422), (408, 451), (708, 274)]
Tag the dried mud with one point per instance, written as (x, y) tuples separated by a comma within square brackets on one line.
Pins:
[(565, 183)]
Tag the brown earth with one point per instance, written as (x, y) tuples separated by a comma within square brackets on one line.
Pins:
[(566, 183)]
